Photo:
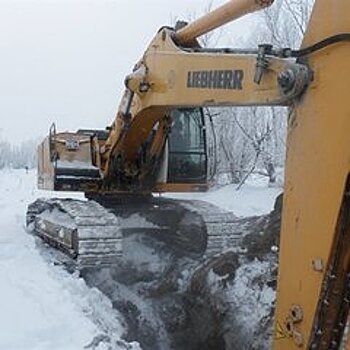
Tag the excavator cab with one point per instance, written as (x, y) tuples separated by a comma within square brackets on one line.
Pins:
[(187, 162)]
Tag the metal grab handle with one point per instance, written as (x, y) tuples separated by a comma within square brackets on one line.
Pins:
[(52, 135)]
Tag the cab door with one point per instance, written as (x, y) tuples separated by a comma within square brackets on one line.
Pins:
[(187, 162)]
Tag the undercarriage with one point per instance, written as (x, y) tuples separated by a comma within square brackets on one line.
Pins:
[(93, 232), (83, 230)]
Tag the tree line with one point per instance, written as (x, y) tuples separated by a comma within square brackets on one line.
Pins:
[(22, 155)]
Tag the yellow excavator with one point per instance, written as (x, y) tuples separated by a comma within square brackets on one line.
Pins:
[(157, 143)]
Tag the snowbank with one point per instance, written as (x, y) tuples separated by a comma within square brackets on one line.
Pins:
[(42, 306)]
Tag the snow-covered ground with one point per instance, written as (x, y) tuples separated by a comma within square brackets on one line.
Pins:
[(41, 305), (254, 197), (44, 307)]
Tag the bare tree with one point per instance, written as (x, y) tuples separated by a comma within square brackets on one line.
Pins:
[(5, 150), (264, 129), (253, 139)]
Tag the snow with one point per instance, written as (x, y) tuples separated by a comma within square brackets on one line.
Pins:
[(135, 220), (75, 164), (57, 217), (245, 289), (249, 318), (43, 306), (254, 198), (256, 300)]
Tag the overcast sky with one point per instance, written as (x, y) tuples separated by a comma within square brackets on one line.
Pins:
[(65, 60)]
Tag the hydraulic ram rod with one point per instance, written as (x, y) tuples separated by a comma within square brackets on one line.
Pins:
[(222, 15)]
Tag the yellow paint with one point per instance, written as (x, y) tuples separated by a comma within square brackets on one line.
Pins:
[(318, 163), (279, 331)]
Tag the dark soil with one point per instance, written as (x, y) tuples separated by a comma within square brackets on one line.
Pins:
[(165, 298)]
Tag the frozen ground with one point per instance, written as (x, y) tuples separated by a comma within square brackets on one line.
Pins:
[(44, 307)]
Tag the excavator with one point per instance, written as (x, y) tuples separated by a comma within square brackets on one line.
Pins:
[(158, 143)]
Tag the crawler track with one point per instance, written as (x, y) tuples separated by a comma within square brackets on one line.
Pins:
[(193, 226), (92, 232), (223, 229), (84, 230)]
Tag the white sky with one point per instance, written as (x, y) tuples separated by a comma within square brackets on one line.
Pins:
[(65, 60)]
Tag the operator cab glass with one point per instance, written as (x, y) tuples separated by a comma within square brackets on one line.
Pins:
[(187, 147)]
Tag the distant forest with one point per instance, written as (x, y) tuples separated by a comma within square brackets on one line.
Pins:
[(18, 156)]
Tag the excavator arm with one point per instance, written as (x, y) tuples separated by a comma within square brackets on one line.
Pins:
[(175, 72), (313, 286)]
